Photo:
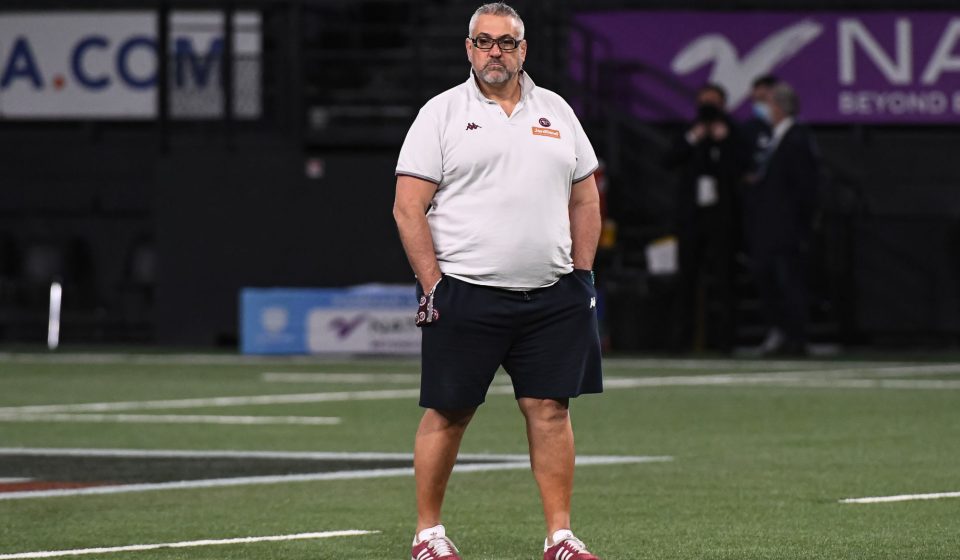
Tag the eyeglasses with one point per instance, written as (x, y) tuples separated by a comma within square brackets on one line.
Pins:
[(486, 42)]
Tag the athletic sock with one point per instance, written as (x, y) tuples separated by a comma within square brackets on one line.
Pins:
[(435, 532), (559, 535)]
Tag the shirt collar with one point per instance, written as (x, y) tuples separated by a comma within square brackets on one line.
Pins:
[(526, 87)]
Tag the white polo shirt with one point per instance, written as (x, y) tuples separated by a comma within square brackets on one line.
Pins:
[(500, 216)]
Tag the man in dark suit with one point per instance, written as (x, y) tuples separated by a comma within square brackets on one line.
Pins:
[(757, 134), (783, 198), (712, 159), (756, 130)]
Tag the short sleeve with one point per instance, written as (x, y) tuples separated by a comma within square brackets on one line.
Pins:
[(421, 155), (587, 161)]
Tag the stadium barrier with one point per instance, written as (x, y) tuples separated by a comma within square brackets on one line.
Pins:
[(367, 319)]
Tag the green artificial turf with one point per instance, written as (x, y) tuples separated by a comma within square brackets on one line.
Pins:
[(758, 471)]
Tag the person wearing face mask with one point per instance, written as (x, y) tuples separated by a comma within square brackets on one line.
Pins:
[(711, 158), (784, 196), (757, 135), (756, 129)]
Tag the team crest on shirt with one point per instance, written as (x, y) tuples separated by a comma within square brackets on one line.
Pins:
[(545, 130)]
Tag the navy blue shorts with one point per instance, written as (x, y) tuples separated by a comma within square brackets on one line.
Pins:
[(546, 339)]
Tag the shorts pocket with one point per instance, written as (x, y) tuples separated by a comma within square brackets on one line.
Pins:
[(441, 287)]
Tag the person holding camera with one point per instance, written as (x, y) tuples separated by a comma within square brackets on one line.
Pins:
[(711, 157)]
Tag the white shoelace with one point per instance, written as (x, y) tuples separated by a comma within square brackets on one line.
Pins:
[(441, 546), (576, 544)]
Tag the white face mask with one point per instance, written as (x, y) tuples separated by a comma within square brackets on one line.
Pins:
[(762, 111)]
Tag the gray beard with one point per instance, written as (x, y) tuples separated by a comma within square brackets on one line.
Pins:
[(502, 76)]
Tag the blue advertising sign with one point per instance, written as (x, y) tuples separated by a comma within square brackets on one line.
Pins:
[(371, 319)]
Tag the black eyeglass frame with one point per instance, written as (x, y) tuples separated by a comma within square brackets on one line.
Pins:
[(498, 42)]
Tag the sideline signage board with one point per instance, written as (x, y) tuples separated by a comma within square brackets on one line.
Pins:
[(58, 65), (866, 67), (373, 319)]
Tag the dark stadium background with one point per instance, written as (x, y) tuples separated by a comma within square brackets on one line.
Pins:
[(155, 226)]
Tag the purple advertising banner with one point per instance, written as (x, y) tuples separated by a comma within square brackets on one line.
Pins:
[(872, 67)]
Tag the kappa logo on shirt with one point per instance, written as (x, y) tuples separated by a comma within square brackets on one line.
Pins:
[(473, 126), (549, 132)]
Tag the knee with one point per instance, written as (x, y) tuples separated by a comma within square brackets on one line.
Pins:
[(545, 411), (445, 420)]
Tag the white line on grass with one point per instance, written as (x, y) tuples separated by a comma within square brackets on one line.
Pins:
[(235, 454), (805, 378), (901, 498), (185, 544), (319, 377), (740, 364), (218, 401), (787, 379), (231, 401), (912, 370), (235, 359), (313, 477), (292, 455), (13, 480), (278, 377), (172, 419), (698, 380), (188, 359), (890, 371), (923, 384)]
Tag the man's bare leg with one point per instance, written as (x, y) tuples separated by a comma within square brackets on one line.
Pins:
[(434, 454), (550, 435)]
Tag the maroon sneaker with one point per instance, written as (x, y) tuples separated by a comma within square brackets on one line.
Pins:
[(435, 547), (568, 547)]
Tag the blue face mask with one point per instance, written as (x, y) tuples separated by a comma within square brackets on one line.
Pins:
[(762, 111)]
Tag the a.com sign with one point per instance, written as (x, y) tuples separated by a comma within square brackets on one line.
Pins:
[(105, 65)]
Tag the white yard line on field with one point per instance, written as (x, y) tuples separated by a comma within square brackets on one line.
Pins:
[(741, 364), (321, 377), (774, 375), (7, 480), (185, 544), (237, 454), (788, 379), (900, 498), (218, 483), (93, 358), (699, 380), (802, 378), (230, 401), (521, 463), (922, 384), (892, 371), (283, 377), (172, 419), (413, 361), (291, 455), (217, 401)]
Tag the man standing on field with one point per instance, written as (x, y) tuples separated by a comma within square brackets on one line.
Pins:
[(498, 212)]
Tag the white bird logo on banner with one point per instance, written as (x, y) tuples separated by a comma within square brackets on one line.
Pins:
[(736, 75)]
